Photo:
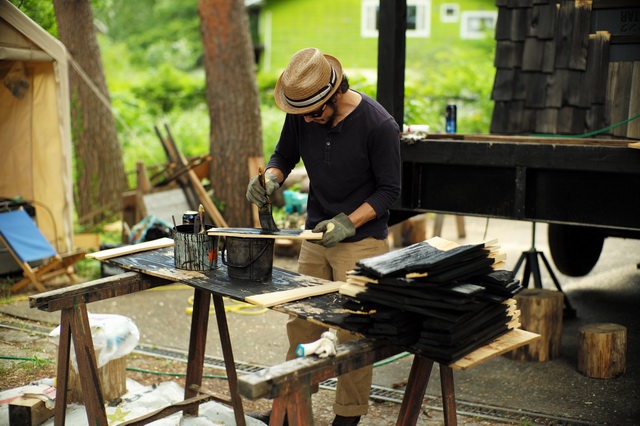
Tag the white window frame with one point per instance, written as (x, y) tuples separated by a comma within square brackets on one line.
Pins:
[(370, 10), (466, 23), (455, 17)]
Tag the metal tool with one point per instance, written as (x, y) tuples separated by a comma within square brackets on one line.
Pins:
[(264, 213)]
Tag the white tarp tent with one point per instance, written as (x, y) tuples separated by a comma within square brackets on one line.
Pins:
[(35, 135)]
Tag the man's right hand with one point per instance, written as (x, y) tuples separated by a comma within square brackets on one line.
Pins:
[(256, 193)]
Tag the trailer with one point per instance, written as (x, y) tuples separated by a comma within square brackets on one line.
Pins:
[(585, 189), (578, 74)]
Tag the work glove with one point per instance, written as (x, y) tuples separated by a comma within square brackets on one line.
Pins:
[(256, 193), (335, 230), (324, 347)]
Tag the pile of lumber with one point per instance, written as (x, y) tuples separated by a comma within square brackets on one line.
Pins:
[(441, 299)]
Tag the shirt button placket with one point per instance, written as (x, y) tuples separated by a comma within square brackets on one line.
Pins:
[(327, 151)]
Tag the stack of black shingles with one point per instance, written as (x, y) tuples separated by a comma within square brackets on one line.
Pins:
[(441, 299)]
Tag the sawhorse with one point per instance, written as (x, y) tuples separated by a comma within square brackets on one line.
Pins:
[(74, 325), (290, 384)]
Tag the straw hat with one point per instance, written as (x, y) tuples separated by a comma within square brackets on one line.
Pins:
[(309, 81)]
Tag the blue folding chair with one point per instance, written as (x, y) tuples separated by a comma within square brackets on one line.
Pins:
[(27, 245)]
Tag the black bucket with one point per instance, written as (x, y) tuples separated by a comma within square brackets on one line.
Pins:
[(248, 258), (194, 252)]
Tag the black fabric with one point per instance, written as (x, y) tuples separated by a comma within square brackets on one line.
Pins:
[(354, 162)]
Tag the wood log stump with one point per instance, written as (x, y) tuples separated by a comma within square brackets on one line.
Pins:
[(602, 350), (112, 377), (541, 313)]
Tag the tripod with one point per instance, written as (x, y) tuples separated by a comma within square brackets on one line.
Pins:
[(532, 266)]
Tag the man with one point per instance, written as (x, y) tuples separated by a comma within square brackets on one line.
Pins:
[(351, 150)]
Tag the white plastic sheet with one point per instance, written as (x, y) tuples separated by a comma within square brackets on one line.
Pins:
[(114, 336)]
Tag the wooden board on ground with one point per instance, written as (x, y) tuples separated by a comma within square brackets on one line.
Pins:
[(133, 248), (279, 297), (293, 234), (505, 343), (29, 411)]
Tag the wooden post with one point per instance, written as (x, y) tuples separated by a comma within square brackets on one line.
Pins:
[(541, 313), (602, 350)]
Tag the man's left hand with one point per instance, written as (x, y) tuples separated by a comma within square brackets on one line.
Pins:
[(335, 230)]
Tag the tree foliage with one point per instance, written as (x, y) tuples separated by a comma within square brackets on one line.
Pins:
[(153, 59)]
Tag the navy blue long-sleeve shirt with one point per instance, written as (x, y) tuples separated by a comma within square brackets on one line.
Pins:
[(354, 162)]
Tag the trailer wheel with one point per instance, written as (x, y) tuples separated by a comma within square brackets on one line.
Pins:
[(575, 249)]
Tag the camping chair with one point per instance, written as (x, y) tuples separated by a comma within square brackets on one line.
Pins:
[(26, 243)]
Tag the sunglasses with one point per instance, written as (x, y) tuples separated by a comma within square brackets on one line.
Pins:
[(317, 113)]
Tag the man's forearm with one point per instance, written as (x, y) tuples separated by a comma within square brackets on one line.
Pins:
[(362, 215)]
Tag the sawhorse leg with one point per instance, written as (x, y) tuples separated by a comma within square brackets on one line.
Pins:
[(416, 388), (197, 346), (296, 406), (74, 324)]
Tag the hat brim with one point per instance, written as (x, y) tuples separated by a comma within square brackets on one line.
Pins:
[(281, 100)]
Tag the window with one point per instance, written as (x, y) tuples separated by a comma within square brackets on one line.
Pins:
[(418, 18), (449, 12), (477, 24)]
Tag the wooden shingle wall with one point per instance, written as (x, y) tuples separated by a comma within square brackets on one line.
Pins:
[(553, 76)]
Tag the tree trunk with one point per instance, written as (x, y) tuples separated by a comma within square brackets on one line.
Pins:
[(234, 107), (100, 175)]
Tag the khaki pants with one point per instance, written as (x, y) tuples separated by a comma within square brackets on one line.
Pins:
[(352, 393)]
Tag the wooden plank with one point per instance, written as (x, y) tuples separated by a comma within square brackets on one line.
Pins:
[(281, 379), (596, 118), (414, 393), (505, 343), (28, 411), (546, 120), (549, 59), (172, 154), (293, 234), (161, 413), (499, 118), (133, 248), (484, 138), (519, 24), (268, 300), (196, 184), (93, 291), (619, 95), (545, 16), (503, 85), (564, 34), (528, 120), (508, 54), (533, 54), (503, 25), (519, 84), (580, 36), (197, 344), (87, 365), (571, 121), (598, 65), (536, 90)]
